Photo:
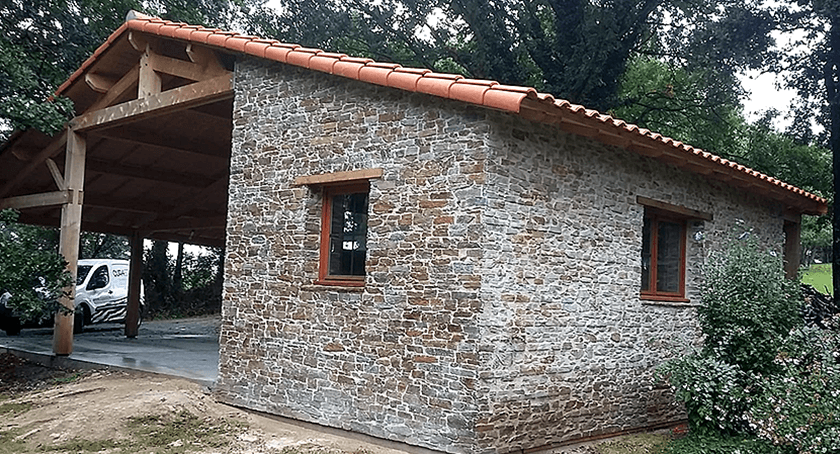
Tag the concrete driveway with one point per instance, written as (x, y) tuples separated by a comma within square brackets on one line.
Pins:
[(186, 348)]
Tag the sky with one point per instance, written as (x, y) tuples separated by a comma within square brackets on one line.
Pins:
[(763, 95)]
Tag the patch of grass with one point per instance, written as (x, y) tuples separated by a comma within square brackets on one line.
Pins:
[(9, 444), (176, 434), (634, 444), (819, 277), (78, 445), (14, 408), (69, 379)]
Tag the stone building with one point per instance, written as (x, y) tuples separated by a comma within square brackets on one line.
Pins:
[(457, 264)]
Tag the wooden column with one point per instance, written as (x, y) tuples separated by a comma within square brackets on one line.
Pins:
[(793, 246), (71, 222), (135, 271)]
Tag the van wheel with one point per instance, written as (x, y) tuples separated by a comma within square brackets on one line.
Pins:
[(79, 320)]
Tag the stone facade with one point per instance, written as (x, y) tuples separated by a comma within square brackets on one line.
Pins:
[(501, 308)]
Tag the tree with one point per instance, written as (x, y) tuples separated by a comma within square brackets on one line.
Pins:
[(43, 41), (811, 62), (574, 49), (32, 271)]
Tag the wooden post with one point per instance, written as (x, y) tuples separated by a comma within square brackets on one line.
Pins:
[(71, 222), (793, 247), (135, 271)]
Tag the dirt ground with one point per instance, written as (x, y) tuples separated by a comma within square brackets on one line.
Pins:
[(108, 411)]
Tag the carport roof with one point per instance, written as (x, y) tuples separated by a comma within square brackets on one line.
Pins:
[(167, 175)]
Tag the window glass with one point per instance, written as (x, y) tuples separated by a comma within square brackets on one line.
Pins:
[(81, 273), (663, 256), (348, 234), (668, 257), (99, 279)]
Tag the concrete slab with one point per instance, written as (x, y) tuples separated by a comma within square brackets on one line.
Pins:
[(186, 348)]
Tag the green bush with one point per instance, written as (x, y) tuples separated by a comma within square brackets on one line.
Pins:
[(749, 307), (31, 269), (763, 382), (800, 407)]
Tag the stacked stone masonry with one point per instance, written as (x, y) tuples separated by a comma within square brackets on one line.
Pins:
[(501, 307)]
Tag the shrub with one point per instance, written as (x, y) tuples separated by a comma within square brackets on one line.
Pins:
[(800, 407), (749, 307)]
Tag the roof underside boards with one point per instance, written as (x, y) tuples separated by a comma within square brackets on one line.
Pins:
[(165, 174)]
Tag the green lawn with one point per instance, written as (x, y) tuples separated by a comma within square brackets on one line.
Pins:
[(819, 276)]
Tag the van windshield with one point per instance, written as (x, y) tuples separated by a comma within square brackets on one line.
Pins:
[(81, 273)]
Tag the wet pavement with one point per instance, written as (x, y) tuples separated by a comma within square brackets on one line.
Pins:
[(186, 348)]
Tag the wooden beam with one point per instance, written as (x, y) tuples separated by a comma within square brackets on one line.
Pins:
[(149, 82), (71, 223), (148, 174), (56, 174), (98, 82), (204, 56), (338, 177), (184, 69), (118, 90), (144, 137), (35, 200), (677, 209), (49, 151), (138, 41), (179, 98)]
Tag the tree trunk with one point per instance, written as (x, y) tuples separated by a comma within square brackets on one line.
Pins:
[(830, 77), (179, 273)]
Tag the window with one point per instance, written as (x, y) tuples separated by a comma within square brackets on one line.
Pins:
[(344, 234), (663, 256)]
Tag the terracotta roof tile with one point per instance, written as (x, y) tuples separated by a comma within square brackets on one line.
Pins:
[(301, 56), (349, 67), (325, 62), (544, 106)]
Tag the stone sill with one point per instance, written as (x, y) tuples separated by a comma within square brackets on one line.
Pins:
[(669, 303)]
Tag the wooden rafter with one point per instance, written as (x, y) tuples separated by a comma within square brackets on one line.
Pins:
[(142, 137), (191, 95), (55, 147), (118, 90), (36, 200), (149, 174)]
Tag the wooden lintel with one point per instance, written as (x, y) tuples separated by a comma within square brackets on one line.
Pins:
[(98, 82), (338, 177), (792, 216), (184, 69), (118, 90), (56, 174), (680, 210), (36, 200), (185, 97), (56, 146)]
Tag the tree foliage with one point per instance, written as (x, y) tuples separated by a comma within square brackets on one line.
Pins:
[(31, 271)]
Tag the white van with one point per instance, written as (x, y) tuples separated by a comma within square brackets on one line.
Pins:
[(101, 296)]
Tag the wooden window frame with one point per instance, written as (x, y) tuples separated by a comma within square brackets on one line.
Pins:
[(329, 191), (652, 294)]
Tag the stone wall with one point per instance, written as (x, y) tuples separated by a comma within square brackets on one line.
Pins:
[(501, 307), (567, 346), (396, 359)]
